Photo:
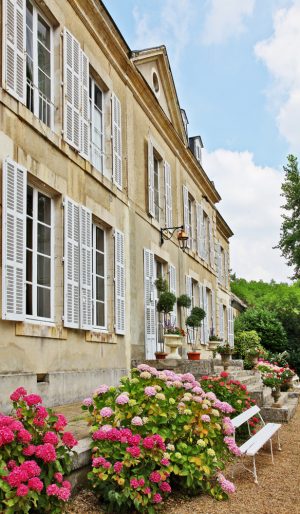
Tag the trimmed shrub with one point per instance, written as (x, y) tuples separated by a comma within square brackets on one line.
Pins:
[(156, 429), (34, 456)]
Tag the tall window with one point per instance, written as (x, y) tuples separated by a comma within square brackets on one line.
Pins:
[(97, 124), (38, 64), (191, 232), (39, 255), (99, 278), (156, 187)]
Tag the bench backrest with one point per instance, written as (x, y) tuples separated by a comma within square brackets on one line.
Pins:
[(245, 416)]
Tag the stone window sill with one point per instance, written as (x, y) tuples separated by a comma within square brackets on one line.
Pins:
[(39, 330), (100, 337)]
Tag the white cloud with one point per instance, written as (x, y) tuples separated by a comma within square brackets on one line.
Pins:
[(251, 206), (170, 27), (225, 19), (280, 53)]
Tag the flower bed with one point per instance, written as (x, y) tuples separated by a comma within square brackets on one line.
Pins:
[(274, 376), (157, 429), (234, 392), (34, 456)]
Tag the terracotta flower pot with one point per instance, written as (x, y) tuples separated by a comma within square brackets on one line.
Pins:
[(193, 356), (160, 355)]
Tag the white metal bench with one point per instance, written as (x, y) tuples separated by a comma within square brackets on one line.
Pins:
[(256, 441)]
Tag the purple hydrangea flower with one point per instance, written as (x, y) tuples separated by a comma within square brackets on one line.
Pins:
[(106, 412)]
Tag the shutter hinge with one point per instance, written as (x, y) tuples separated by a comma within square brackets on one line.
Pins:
[(62, 259)]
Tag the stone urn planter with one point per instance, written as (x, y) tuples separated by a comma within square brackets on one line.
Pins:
[(225, 357), (173, 341), (276, 393), (212, 345)]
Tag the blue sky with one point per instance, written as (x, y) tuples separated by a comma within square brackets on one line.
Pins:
[(237, 72)]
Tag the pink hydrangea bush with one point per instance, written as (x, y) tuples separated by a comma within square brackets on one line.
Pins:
[(191, 423), (35, 454)]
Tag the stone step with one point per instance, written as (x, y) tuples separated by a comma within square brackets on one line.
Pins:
[(280, 414), (260, 394)]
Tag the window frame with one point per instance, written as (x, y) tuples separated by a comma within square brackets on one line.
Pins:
[(95, 327), (35, 253), (93, 83), (34, 86)]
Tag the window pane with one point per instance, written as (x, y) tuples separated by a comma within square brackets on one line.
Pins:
[(98, 98), (100, 321), (100, 264), (44, 84), (29, 266), (44, 59), (29, 14), (28, 299), (44, 240), (29, 233), (99, 239), (100, 288), (97, 121), (43, 32), (44, 209), (29, 200), (29, 43), (43, 271), (43, 302)]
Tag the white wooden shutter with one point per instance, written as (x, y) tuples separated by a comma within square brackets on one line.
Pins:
[(172, 287), (71, 263), (189, 292), (119, 282), (150, 314), (213, 313), (203, 238), (221, 321), (151, 204), (205, 321), (199, 216), (86, 301), (116, 141), (220, 264), (13, 240), (168, 194), (225, 277), (72, 90), (85, 107), (14, 57), (230, 326), (186, 214), (211, 244)]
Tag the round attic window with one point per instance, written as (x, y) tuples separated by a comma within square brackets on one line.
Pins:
[(155, 82)]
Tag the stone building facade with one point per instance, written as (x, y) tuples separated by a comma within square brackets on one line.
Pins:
[(95, 160)]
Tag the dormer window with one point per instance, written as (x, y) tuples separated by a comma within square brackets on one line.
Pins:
[(185, 121), (198, 153)]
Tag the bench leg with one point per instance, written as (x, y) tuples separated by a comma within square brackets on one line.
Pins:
[(271, 447), (254, 471), (279, 446)]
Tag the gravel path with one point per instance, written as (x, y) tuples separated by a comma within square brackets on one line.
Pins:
[(278, 491)]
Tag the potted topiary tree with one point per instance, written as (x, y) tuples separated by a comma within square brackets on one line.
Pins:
[(165, 304), (194, 321)]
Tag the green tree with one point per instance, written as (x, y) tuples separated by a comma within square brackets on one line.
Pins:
[(283, 301), (266, 324), (289, 242)]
